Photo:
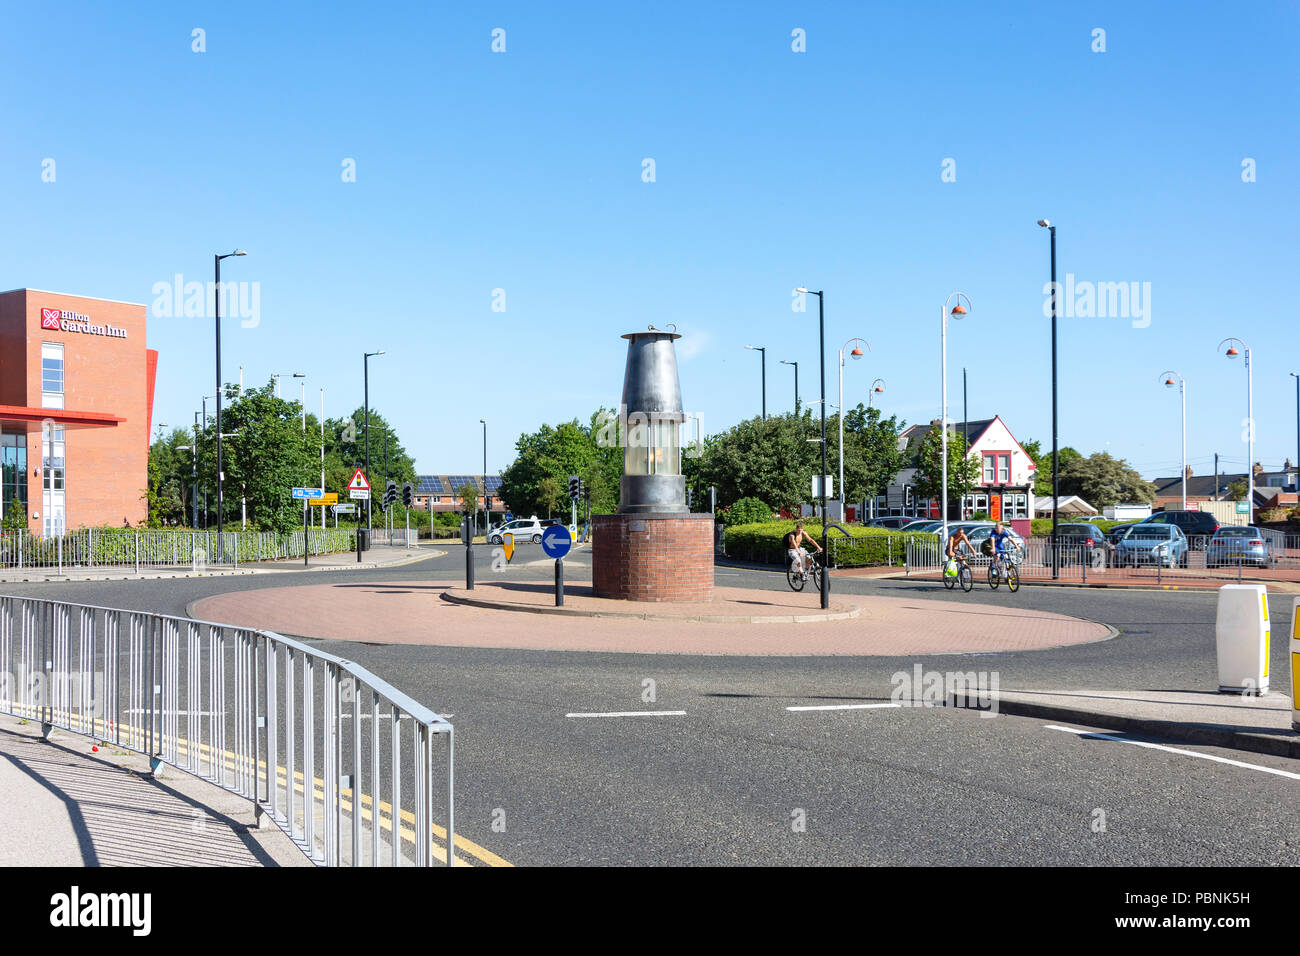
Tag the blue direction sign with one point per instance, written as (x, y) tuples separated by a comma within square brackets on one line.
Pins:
[(508, 517), (307, 492), (556, 541)]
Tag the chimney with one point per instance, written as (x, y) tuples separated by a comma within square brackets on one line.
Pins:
[(1189, 471)]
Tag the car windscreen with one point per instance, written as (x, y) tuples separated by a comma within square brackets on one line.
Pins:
[(1238, 533), (1152, 531)]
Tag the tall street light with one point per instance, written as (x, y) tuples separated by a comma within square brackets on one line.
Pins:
[(1168, 379), (1232, 351), (1296, 376), (322, 454), (856, 352), (957, 312), (217, 312), (1056, 470), (366, 365), (877, 387), (763, 355), (821, 355), (796, 383), (487, 515)]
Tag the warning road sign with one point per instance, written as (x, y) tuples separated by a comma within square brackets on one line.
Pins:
[(358, 482)]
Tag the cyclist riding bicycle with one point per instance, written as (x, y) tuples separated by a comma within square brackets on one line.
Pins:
[(794, 550), (956, 541), (1003, 544)]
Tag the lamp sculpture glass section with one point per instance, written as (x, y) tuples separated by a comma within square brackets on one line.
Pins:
[(654, 548)]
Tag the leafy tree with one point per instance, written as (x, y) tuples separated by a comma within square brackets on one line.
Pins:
[(963, 471), (168, 480), (554, 453), (468, 495), (1101, 479), (872, 458), (1043, 459), (771, 460), (269, 454), (1237, 491)]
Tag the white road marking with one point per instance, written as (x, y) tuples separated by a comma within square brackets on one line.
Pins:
[(1176, 750), (635, 713), (844, 707)]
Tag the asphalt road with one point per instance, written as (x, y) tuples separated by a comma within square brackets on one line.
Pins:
[(739, 778)]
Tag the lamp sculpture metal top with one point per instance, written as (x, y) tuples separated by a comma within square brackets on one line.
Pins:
[(652, 406)]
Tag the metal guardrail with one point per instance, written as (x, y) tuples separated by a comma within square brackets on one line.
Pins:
[(255, 713), (127, 548)]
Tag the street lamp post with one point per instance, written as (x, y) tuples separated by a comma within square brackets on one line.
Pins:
[(796, 383), (1296, 376), (857, 354), (1232, 351), (821, 354), (762, 355), (366, 367), (1168, 379), (216, 295), (487, 515), (322, 455), (1056, 471), (957, 311), (876, 387)]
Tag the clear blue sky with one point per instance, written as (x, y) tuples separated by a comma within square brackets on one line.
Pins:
[(523, 171)]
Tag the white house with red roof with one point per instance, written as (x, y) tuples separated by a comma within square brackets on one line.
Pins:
[(1004, 488)]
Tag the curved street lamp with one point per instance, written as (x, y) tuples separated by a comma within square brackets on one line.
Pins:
[(956, 312), (821, 357), (762, 351), (1168, 380), (856, 353), (796, 383), (877, 387), (216, 301), (1232, 351)]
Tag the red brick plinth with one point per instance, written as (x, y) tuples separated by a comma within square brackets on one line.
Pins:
[(652, 557)]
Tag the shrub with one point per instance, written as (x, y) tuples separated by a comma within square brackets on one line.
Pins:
[(764, 542), (746, 511)]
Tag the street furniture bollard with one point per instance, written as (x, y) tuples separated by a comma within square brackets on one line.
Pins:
[(1241, 634)]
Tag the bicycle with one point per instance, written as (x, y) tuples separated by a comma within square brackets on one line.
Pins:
[(814, 563), (1004, 567), (964, 577)]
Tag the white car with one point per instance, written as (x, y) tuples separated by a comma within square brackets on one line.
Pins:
[(524, 529)]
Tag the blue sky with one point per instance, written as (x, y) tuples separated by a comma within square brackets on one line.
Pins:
[(522, 171)]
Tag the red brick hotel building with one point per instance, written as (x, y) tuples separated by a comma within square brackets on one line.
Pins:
[(76, 401)]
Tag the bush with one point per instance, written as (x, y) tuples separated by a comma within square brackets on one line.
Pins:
[(746, 511), (764, 542), (1043, 526)]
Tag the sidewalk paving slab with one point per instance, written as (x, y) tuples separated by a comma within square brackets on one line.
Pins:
[(66, 805), (1261, 724)]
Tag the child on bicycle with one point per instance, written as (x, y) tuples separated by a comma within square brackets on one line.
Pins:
[(1002, 541), (794, 549)]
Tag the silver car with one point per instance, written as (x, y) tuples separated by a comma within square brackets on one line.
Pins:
[(1233, 544)]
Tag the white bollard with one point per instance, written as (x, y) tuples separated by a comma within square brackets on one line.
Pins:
[(1242, 639), (1295, 664)]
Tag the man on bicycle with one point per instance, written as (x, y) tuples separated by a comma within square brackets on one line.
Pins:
[(794, 550), (1002, 541), (956, 541)]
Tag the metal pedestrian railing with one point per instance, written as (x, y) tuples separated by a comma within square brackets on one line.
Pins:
[(337, 758), (126, 548)]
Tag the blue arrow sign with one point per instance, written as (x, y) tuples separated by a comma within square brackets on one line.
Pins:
[(509, 517), (556, 541), (307, 492)]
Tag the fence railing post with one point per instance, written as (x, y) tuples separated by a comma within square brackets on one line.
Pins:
[(137, 552)]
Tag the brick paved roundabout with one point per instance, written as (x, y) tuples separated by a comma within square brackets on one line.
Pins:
[(738, 621)]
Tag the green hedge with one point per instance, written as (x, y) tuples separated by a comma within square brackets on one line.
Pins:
[(866, 547), (118, 546), (1043, 526)]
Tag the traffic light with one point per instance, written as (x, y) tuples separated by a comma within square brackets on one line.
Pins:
[(408, 494), (390, 494), (574, 484), (690, 499)]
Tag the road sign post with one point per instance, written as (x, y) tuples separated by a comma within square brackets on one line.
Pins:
[(556, 542), (467, 535)]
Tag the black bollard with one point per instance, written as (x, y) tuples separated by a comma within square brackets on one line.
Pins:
[(559, 582)]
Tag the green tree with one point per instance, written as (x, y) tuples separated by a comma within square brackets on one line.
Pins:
[(1043, 459), (537, 480), (963, 471), (268, 454), (1237, 491), (168, 480), (1101, 480), (872, 458), (771, 460), (467, 494)]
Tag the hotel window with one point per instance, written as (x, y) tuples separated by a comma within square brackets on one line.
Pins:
[(990, 463), (1004, 469), (13, 471), (51, 375), (1015, 505)]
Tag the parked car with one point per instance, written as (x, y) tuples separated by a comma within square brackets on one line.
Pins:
[(894, 523), (1197, 526), (1150, 543), (1234, 544), (922, 524), (1077, 540), (1117, 534), (524, 529)]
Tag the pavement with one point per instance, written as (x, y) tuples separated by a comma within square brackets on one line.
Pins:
[(739, 621), (376, 557), (67, 804)]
